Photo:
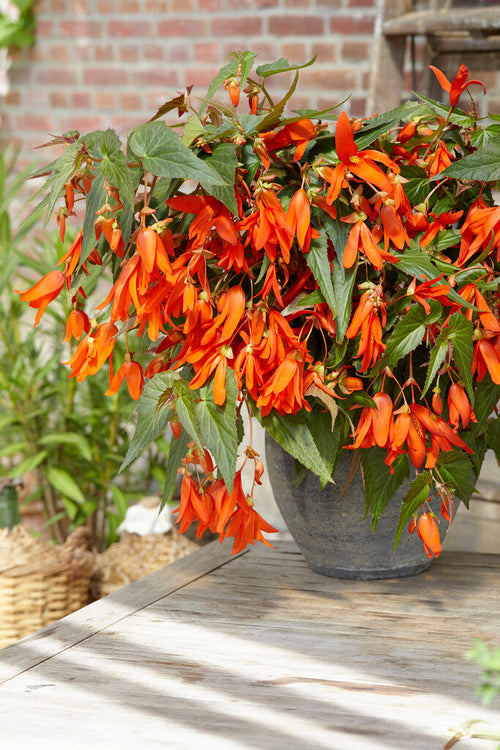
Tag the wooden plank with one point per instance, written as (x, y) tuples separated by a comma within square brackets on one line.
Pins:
[(111, 609), (263, 653), (387, 69), (484, 21)]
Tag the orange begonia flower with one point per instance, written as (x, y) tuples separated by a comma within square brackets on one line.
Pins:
[(132, 373), (456, 87), (44, 291)]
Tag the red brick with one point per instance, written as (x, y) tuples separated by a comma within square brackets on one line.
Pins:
[(178, 51), (302, 4), (34, 123), (352, 24), (188, 27), (295, 25), (236, 26), (56, 77), (211, 6), (104, 100), (199, 79), (79, 27), (343, 80), (131, 102), (80, 100), (12, 98), (154, 52), (156, 77), (130, 6), (44, 29), (59, 99), (99, 53), (107, 7), (325, 51), (59, 7), (295, 52), (207, 52), (354, 50), (181, 6), (126, 29), (105, 76), (361, 3), (129, 54)]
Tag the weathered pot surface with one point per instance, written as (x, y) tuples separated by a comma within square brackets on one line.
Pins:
[(329, 527)]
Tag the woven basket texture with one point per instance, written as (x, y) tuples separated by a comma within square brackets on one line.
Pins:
[(135, 556), (40, 583)]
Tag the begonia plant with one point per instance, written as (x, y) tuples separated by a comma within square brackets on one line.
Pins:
[(334, 278)]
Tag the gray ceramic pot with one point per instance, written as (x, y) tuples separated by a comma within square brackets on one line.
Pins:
[(329, 530)]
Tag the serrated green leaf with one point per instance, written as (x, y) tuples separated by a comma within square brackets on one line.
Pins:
[(438, 354), (343, 279), (487, 395), (493, 437), (274, 117), (192, 130), (114, 168), (416, 495), (63, 171), (483, 165), (101, 143), (163, 154), (317, 260), (217, 426), (456, 469), (184, 408), (178, 450), (223, 161), (94, 200), (460, 333), (280, 66), (380, 485), (63, 482), (294, 436), (152, 416), (416, 262), (406, 336)]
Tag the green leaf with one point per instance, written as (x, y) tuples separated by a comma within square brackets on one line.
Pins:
[(101, 143), (483, 165), (456, 469), (94, 200), (294, 436), (329, 441), (416, 495), (380, 485), (317, 260), (280, 66), (416, 262), (191, 130), (184, 408), (493, 434), (153, 415), (218, 426), (223, 161), (79, 441), (274, 116), (28, 464), (487, 395), (63, 172), (62, 481), (178, 450), (230, 70), (114, 168), (438, 355), (119, 501), (12, 448), (163, 154), (343, 278), (460, 334), (406, 336)]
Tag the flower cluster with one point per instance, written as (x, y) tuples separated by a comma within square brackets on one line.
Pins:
[(338, 282)]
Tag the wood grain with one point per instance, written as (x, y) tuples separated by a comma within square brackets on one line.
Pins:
[(257, 651)]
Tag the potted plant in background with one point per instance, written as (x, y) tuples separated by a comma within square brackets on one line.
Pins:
[(64, 443), (337, 279)]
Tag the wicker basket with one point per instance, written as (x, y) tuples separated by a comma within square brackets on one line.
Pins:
[(134, 557), (40, 583)]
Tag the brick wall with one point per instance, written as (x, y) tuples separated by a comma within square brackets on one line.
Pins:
[(101, 63)]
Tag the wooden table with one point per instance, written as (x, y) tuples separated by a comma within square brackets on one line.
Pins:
[(256, 651)]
